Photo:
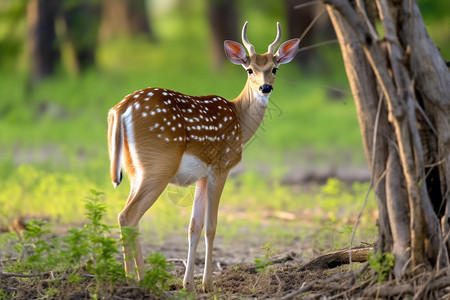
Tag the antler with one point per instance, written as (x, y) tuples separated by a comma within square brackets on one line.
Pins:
[(274, 45), (250, 47)]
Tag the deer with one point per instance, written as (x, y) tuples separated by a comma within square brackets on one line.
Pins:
[(160, 136)]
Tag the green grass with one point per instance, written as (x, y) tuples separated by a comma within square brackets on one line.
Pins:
[(247, 207), (92, 249)]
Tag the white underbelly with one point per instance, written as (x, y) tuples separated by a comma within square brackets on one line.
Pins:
[(191, 169)]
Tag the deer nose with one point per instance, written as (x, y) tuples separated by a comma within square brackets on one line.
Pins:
[(266, 88)]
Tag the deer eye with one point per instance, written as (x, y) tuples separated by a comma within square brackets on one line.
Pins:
[(274, 71), (249, 71)]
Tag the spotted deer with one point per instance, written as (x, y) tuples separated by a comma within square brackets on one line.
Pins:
[(160, 136)]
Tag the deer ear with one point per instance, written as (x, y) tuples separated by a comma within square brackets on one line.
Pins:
[(236, 53), (287, 51)]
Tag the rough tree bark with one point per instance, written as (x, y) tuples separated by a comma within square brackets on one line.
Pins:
[(401, 87)]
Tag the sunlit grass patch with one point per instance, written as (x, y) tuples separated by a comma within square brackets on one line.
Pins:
[(250, 205)]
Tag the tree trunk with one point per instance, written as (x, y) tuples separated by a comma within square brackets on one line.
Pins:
[(222, 16), (125, 17), (44, 50), (298, 19), (82, 20), (401, 87)]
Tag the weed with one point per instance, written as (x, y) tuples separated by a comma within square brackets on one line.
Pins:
[(77, 247), (90, 247), (50, 292), (95, 210), (74, 278), (264, 261), (184, 294), (3, 295), (105, 266), (381, 264), (34, 252), (102, 261), (347, 229), (156, 277)]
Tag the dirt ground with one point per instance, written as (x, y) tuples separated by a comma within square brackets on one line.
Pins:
[(293, 275), (232, 281), (235, 275)]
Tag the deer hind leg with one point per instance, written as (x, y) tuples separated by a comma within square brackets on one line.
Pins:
[(215, 187), (142, 196), (195, 230)]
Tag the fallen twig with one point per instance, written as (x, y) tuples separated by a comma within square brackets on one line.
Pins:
[(337, 258), (303, 289), (287, 257), (280, 284), (5, 274), (50, 273), (178, 260)]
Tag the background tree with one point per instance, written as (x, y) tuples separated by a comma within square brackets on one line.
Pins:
[(223, 18), (124, 17), (299, 16), (401, 87), (82, 22), (44, 49)]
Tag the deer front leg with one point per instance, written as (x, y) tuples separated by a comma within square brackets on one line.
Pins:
[(195, 230), (215, 187)]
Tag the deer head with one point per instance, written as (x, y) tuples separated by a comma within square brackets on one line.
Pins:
[(261, 68)]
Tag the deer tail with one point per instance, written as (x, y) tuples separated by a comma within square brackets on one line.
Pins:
[(115, 146)]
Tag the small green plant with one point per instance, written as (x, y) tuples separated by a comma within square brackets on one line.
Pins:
[(381, 264), (4, 295), (34, 252), (264, 261), (74, 278), (184, 294), (77, 247), (156, 277), (95, 210), (51, 292), (102, 262), (333, 187)]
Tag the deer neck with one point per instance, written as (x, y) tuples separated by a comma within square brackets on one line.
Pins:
[(250, 107)]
